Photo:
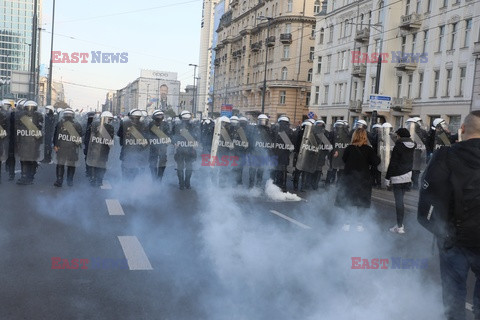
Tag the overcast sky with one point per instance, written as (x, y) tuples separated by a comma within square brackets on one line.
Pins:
[(156, 34)]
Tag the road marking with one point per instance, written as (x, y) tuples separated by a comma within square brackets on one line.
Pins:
[(106, 185), (133, 250), (114, 207), (301, 225), (469, 306)]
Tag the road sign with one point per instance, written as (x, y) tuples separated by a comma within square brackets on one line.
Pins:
[(311, 115), (226, 110), (378, 102), (20, 82)]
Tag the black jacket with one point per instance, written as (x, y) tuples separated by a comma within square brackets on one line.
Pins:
[(401, 161), (452, 171)]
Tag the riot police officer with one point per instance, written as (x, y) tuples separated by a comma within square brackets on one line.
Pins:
[(206, 133), (86, 140), (50, 127), (133, 139), (282, 137), (159, 139), (240, 145), (4, 131), (222, 150), (325, 147), (340, 141), (307, 153), (261, 150), (185, 142), (67, 141), (29, 140)]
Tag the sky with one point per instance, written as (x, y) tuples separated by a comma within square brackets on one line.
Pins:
[(157, 34)]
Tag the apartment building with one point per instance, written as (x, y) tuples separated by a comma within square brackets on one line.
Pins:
[(428, 65), (276, 35)]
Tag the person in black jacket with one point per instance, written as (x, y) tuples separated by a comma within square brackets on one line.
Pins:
[(355, 184), (449, 207), (399, 173)]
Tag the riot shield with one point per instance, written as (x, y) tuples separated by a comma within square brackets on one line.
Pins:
[(67, 142), (442, 137), (309, 151), (283, 144), (385, 148), (158, 141), (4, 134), (420, 153), (240, 139), (340, 143), (100, 143), (29, 135), (221, 142), (325, 146), (135, 151)]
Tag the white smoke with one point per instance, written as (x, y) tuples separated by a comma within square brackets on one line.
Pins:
[(275, 193)]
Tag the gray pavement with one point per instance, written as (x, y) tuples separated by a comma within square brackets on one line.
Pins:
[(206, 253)]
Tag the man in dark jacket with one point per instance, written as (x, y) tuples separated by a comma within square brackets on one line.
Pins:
[(399, 173), (449, 207)]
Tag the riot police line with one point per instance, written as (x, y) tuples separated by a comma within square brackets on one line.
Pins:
[(31, 134)]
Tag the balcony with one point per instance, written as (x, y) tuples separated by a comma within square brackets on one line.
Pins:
[(402, 104), (216, 62), (406, 66), (411, 21), (255, 47), (476, 48), (355, 106), (270, 41), (359, 70), (362, 35), (286, 38)]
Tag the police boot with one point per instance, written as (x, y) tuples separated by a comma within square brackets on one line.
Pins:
[(304, 181), (160, 172), (296, 177), (60, 171), (284, 180), (32, 171), (181, 179), (70, 174), (251, 178), (188, 175), (24, 173)]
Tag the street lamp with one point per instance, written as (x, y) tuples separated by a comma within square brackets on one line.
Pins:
[(194, 86), (266, 60)]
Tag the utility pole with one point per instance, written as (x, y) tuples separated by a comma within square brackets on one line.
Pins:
[(33, 52), (194, 86), (50, 70), (266, 60)]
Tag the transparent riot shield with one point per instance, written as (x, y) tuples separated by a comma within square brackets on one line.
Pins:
[(158, 139), (309, 151), (4, 134), (29, 135), (100, 143), (135, 150), (68, 142), (325, 146), (385, 148), (420, 153), (442, 136), (340, 143)]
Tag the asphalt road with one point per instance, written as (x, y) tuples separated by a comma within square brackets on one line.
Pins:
[(156, 252)]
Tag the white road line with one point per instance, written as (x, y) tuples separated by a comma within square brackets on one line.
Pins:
[(133, 250), (468, 306), (301, 225), (106, 185), (114, 207)]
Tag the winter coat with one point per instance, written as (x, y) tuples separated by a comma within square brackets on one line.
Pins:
[(401, 161)]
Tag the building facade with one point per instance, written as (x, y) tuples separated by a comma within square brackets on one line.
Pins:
[(427, 50), (278, 35), (186, 99), (58, 92), (16, 39), (151, 91)]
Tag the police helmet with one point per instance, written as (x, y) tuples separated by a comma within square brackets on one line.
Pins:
[(438, 121), (158, 114), (30, 106), (362, 124), (185, 115), (234, 120), (68, 113), (262, 120), (387, 125)]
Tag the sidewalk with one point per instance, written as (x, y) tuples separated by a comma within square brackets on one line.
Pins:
[(386, 197)]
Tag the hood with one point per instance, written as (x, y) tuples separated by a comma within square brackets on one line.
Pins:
[(407, 142), (468, 151)]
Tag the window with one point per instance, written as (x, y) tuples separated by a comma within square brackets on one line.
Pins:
[(463, 72), (317, 94), (454, 123), (468, 32), (441, 34), (410, 83), (284, 73), (312, 34), (445, 3), (419, 7), (330, 39), (286, 51), (425, 41), (329, 63), (449, 81), (414, 42), (307, 100), (420, 84), (319, 65), (288, 28), (404, 43), (372, 89), (454, 35), (321, 37), (325, 94), (345, 28), (380, 12), (399, 86), (355, 89), (283, 97), (312, 53), (316, 7), (361, 20), (429, 5), (289, 5), (407, 8), (310, 75), (435, 82), (341, 93)]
